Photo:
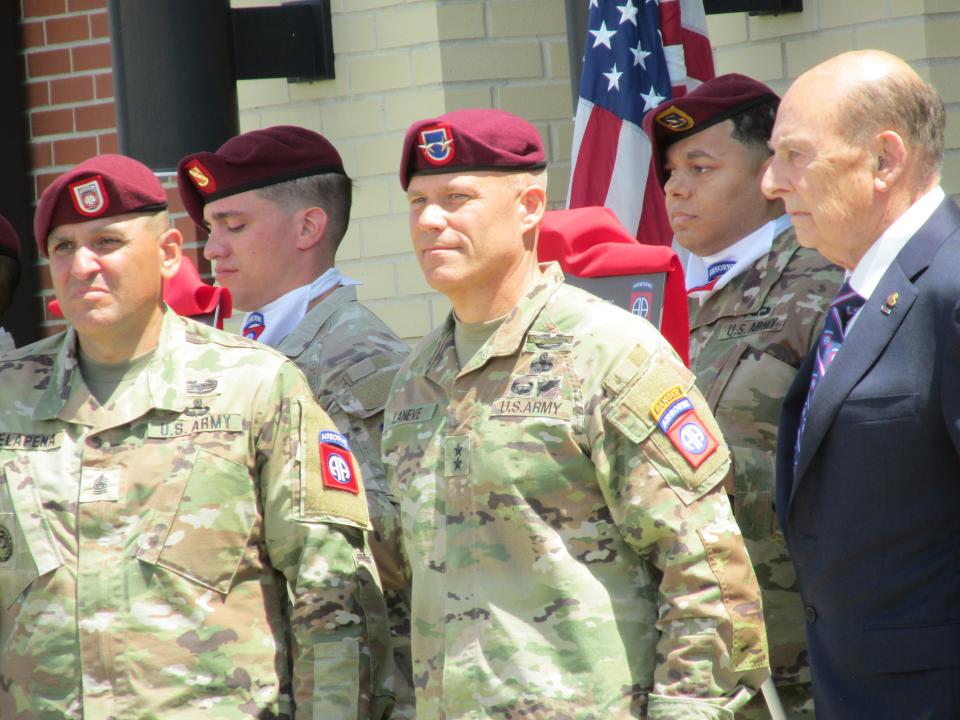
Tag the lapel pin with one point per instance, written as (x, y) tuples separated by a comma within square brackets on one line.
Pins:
[(891, 302)]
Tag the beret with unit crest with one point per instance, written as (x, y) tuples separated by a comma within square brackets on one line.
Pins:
[(253, 160), (470, 139), (103, 186), (716, 100)]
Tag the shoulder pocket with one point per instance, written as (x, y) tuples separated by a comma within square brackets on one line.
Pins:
[(315, 498), (27, 547), (210, 527), (367, 388), (690, 468)]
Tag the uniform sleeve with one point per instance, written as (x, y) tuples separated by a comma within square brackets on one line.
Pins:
[(663, 484), (315, 527), (358, 411), (398, 594)]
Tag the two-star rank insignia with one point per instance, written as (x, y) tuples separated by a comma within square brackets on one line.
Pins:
[(456, 455)]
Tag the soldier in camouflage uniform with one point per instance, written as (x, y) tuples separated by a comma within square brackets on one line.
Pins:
[(571, 550), (182, 528), (757, 301), (259, 196)]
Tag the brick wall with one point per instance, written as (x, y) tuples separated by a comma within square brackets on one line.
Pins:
[(776, 49), (71, 114)]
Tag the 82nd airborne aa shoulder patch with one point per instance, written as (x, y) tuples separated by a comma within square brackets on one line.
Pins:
[(336, 463), (677, 418)]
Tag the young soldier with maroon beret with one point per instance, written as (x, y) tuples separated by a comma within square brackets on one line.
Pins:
[(276, 203), (757, 301)]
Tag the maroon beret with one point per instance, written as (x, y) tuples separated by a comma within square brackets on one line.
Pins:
[(254, 160), (472, 139), (9, 240), (102, 186), (714, 101)]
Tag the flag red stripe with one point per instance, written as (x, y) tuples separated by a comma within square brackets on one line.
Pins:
[(670, 26), (698, 55), (594, 165), (654, 225)]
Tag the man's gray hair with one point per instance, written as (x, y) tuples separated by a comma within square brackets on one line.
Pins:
[(902, 103)]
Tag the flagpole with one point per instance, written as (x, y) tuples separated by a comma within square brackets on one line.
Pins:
[(772, 698)]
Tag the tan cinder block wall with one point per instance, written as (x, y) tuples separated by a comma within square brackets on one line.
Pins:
[(397, 62), (776, 49)]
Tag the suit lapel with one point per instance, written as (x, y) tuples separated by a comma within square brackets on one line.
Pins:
[(869, 336), (873, 330), (786, 436)]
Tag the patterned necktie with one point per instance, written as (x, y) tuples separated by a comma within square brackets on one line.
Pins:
[(842, 309)]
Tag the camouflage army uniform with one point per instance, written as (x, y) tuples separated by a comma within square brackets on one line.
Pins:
[(350, 357), (176, 554), (746, 343), (566, 560)]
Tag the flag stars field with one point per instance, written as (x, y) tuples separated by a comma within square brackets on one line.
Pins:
[(637, 53)]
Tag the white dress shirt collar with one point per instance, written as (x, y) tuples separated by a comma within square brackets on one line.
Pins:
[(742, 253), (867, 274), (279, 317)]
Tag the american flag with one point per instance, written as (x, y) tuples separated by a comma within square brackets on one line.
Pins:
[(638, 54)]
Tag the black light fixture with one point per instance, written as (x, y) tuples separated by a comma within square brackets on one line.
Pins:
[(752, 7), (176, 64)]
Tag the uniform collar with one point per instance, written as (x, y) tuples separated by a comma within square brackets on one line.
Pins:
[(307, 329), (742, 254), (435, 362), (508, 337), (880, 256), (66, 397), (748, 294)]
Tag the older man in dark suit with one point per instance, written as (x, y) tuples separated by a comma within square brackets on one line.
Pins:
[(868, 469)]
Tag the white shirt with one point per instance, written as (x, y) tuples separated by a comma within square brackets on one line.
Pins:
[(867, 274), (281, 316), (742, 253)]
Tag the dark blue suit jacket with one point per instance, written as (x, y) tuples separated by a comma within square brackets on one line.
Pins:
[(872, 517)]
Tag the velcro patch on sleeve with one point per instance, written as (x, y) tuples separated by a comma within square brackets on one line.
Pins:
[(372, 391), (338, 468), (677, 418), (331, 488), (660, 410)]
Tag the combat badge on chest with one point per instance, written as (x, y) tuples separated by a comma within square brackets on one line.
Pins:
[(197, 416), (536, 392), (8, 554)]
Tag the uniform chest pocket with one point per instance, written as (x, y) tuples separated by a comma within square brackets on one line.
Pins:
[(27, 548), (204, 536)]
